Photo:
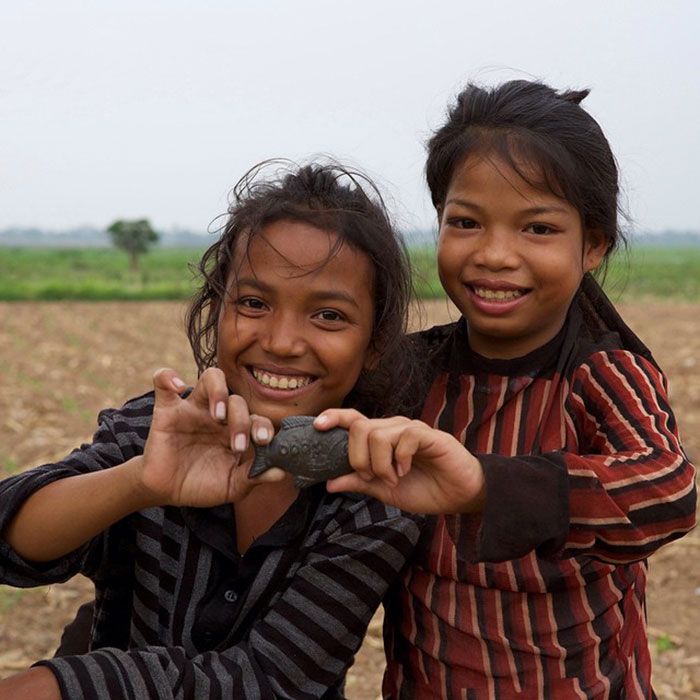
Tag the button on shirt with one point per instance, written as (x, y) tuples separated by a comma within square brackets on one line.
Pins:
[(232, 574)]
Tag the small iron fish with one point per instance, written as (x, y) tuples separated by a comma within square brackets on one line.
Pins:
[(310, 455)]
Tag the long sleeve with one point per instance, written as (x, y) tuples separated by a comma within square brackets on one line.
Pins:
[(110, 446), (300, 647), (619, 489), (633, 489)]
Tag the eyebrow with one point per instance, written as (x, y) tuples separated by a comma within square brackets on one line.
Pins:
[(321, 295), (531, 211)]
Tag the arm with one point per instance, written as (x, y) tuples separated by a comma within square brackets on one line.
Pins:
[(188, 458), (33, 684), (632, 489), (623, 489), (300, 647), (627, 488)]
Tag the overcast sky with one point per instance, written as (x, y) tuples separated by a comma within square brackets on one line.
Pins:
[(143, 108)]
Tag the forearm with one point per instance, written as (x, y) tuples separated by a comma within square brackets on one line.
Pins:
[(33, 684), (67, 513)]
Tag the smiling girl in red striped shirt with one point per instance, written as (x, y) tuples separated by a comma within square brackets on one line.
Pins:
[(546, 450)]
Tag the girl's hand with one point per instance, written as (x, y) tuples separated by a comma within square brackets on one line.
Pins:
[(199, 448), (36, 683), (407, 464)]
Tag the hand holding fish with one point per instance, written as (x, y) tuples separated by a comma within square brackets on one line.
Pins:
[(407, 463), (198, 449)]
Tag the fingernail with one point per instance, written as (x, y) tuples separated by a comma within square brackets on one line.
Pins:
[(178, 383), (321, 420), (400, 470), (220, 411), (262, 434), (240, 442)]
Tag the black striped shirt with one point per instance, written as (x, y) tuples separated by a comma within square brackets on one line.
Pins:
[(180, 615)]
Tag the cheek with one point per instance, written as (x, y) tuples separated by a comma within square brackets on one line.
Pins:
[(348, 360), (448, 264), (230, 335)]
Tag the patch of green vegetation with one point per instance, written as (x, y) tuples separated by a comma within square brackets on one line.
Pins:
[(664, 643), (648, 271), (9, 597), (425, 278), (70, 405), (9, 466), (104, 274), (35, 274)]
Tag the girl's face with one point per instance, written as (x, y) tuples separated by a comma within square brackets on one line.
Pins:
[(511, 257), (295, 328)]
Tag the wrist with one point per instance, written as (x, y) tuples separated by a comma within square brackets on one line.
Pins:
[(476, 487), (137, 489)]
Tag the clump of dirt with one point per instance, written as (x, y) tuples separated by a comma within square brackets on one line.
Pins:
[(61, 363)]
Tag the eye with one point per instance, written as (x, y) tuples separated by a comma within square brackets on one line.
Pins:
[(330, 315), (539, 229), (251, 304), (463, 223)]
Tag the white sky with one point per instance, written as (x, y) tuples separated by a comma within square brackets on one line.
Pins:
[(130, 108)]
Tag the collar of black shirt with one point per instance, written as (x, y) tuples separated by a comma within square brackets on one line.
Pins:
[(217, 526)]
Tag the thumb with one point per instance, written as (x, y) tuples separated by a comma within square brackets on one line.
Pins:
[(355, 484), (269, 476)]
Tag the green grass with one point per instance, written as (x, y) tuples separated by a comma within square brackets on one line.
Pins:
[(94, 274), (90, 274), (648, 271)]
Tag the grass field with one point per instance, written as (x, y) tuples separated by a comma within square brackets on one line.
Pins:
[(104, 274)]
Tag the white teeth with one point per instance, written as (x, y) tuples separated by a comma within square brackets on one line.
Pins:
[(280, 381), (498, 294)]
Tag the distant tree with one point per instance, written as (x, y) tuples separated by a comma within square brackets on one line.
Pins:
[(135, 237)]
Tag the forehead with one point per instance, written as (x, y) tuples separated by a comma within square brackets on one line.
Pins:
[(293, 249), (490, 175)]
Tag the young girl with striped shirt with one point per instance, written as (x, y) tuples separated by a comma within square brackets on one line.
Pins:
[(546, 450), (211, 584)]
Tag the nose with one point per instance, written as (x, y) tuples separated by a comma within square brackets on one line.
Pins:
[(282, 336), (496, 249)]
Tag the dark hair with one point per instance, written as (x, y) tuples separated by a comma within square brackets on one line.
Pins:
[(529, 124), (333, 198)]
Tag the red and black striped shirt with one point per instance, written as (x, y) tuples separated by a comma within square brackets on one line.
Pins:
[(542, 594)]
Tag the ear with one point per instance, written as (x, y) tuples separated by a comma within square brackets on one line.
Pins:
[(595, 246)]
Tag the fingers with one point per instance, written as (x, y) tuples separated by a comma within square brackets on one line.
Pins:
[(167, 385), (212, 391), (232, 409), (262, 430), (382, 448), (337, 418), (239, 422)]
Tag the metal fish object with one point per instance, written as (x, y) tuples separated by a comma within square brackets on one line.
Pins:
[(310, 455)]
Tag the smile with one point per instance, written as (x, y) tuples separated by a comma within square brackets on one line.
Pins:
[(281, 381), (498, 294)]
